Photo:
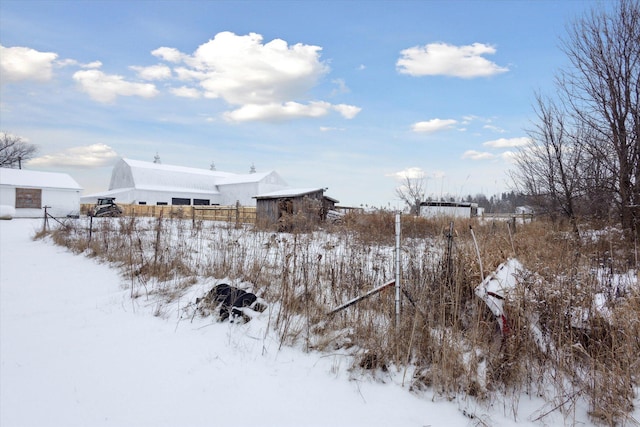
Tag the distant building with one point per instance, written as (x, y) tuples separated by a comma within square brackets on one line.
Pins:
[(27, 192), (146, 183), (449, 209), (524, 210)]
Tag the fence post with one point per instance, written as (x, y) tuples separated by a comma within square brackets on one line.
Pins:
[(449, 254), (90, 229), (398, 264), (45, 224)]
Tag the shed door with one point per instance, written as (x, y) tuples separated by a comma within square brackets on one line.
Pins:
[(28, 198)]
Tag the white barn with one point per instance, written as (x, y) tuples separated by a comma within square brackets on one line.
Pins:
[(147, 183), (25, 193), (449, 209)]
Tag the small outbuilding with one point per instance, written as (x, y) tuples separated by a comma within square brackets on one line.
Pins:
[(286, 208), (449, 209), (28, 192)]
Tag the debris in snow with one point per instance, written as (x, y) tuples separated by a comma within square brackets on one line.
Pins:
[(494, 288), (231, 302)]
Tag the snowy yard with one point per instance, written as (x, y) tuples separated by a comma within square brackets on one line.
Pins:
[(76, 350)]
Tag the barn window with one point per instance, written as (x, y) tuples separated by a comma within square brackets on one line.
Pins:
[(28, 198), (201, 202), (180, 201), (162, 203), (142, 203)]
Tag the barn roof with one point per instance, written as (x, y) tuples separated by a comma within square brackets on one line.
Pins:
[(156, 175), (37, 179)]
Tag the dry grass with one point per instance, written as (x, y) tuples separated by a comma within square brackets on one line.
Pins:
[(447, 334)]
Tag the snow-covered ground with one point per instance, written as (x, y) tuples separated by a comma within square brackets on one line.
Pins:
[(75, 350)]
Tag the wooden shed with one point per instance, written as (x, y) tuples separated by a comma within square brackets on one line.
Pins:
[(292, 208)]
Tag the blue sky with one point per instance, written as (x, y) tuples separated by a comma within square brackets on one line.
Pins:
[(350, 95)]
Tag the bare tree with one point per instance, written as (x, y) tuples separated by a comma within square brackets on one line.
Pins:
[(548, 169), (412, 192), (586, 147), (14, 150), (602, 87)]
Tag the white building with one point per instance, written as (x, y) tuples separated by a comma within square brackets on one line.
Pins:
[(25, 193), (147, 183), (449, 209)]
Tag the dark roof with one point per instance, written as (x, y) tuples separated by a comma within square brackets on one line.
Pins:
[(450, 204)]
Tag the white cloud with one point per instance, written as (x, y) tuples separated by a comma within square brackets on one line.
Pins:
[(507, 142), (494, 128), (186, 92), (433, 125), (477, 155), (416, 173), (153, 72), (276, 112), (186, 74), (105, 88), (347, 111), (95, 155), (448, 60), (23, 63), (509, 156), (329, 129), (94, 64), (168, 54), (243, 70), (341, 87), (409, 173), (73, 62), (266, 81)]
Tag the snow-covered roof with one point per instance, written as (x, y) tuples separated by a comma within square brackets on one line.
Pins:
[(157, 176), (292, 192), (244, 178), (288, 192), (449, 204), (37, 179), (139, 164)]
